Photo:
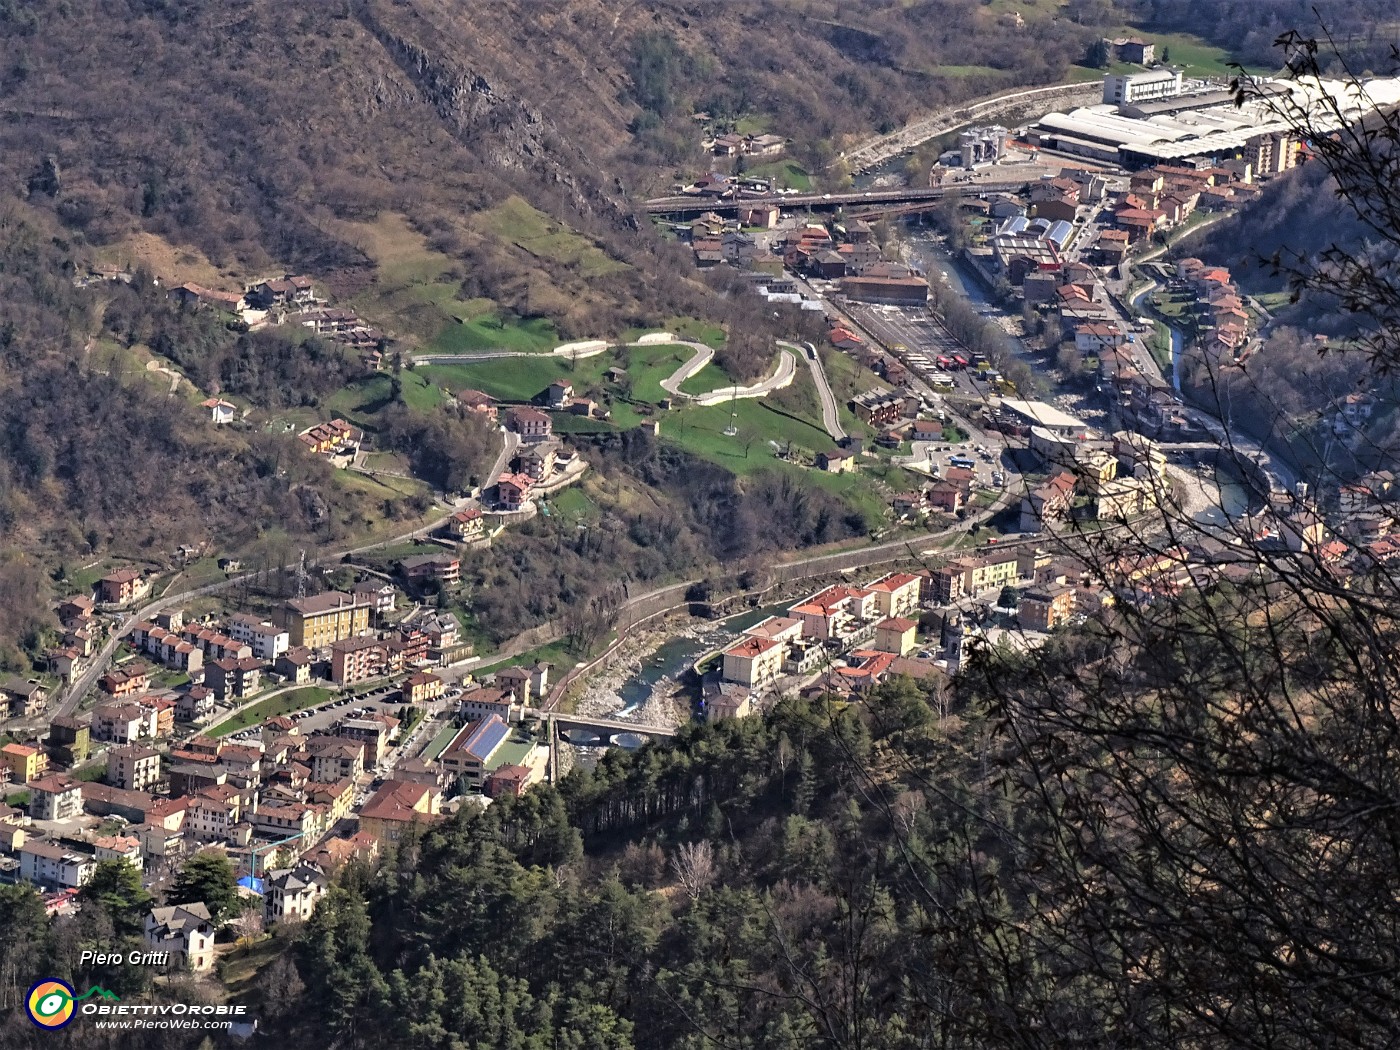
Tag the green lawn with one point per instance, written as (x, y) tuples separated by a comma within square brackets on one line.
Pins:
[(785, 174), (711, 377), (647, 365), (362, 400), (573, 504), (700, 431), (1274, 300), (556, 654), (287, 703), (1189, 53), (690, 328), (494, 331), (440, 742), (522, 378), (517, 378)]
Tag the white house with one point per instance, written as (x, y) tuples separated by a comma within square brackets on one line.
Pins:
[(292, 893), (186, 931), (265, 638), (220, 411), (46, 864)]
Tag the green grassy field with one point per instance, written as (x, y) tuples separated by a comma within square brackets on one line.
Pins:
[(573, 504), (516, 378), (440, 742), (690, 328), (286, 704), (785, 174), (492, 331), (647, 365), (1192, 55), (711, 377), (360, 401), (543, 237), (700, 431)]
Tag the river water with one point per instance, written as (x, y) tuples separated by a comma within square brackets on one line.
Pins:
[(673, 658)]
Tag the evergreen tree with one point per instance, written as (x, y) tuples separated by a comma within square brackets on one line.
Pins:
[(116, 886), (208, 877)]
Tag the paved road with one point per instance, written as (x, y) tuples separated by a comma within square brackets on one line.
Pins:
[(881, 148), (781, 377), (831, 415), (703, 356), (512, 442), (689, 205)]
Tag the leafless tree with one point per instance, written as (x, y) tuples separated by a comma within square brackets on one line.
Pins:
[(694, 865)]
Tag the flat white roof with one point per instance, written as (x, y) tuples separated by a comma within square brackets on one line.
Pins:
[(1046, 415)]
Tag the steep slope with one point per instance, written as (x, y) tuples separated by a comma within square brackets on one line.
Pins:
[(505, 144)]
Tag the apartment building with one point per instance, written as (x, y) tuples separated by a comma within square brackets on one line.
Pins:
[(356, 659), (267, 640), (753, 661), (133, 767), (322, 619)]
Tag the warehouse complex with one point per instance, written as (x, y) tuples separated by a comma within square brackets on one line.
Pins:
[(1155, 117)]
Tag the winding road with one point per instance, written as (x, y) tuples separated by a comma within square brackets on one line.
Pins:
[(831, 415)]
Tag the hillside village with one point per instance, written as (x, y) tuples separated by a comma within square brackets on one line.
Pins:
[(295, 732)]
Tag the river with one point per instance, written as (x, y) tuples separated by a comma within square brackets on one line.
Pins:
[(674, 657)]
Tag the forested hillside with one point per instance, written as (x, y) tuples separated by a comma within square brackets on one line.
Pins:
[(1128, 838), (502, 147)]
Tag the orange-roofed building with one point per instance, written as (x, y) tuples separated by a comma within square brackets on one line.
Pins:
[(896, 594), (753, 661), (895, 635)]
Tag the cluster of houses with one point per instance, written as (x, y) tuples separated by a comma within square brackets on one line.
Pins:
[(542, 462), (732, 144), (1113, 480), (848, 639), (335, 437), (349, 329), (1219, 309), (714, 239), (288, 292), (286, 804), (286, 297), (870, 624), (1167, 195), (286, 789)]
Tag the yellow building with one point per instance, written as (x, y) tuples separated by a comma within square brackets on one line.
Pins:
[(396, 808), (1096, 469), (421, 687), (992, 571), (24, 763), (896, 594), (323, 619), (337, 798), (895, 635), (753, 661)]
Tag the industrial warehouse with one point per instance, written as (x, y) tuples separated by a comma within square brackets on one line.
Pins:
[(1154, 117)]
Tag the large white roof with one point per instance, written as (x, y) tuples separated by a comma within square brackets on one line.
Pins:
[(1044, 414)]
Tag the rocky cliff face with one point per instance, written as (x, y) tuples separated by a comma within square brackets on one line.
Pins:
[(484, 113)]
